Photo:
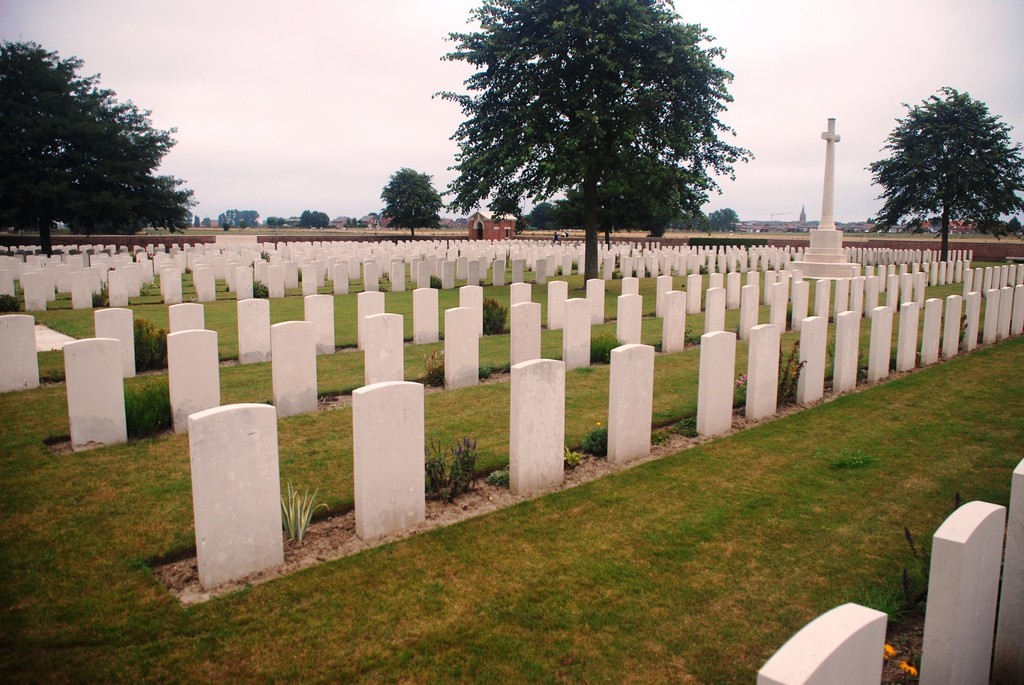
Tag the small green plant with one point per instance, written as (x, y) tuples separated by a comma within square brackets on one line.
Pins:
[(739, 395), (499, 478), (9, 303), (660, 437), (265, 256), (147, 411), (433, 363), (260, 290), (572, 459), (495, 316), (887, 600), (691, 338), (601, 346), (845, 458), (297, 512), (686, 428), (596, 441), (789, 374), (449, 471), (484, 372), (102, 298), (435, 282), (150, 346)]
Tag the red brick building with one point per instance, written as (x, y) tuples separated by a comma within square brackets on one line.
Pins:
[(486, 226)]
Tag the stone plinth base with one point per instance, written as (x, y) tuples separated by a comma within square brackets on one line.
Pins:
[(827, 270)]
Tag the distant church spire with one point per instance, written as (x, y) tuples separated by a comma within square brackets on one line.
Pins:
[(803, 215)]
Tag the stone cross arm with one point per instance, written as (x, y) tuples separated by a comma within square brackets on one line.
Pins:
[(831, 137)]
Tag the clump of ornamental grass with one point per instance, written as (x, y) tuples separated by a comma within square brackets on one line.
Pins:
[(297, 512)]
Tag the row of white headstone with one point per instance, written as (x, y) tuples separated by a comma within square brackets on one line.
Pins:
[(234, 456), (194, 369), (964, 643), (470, 263)]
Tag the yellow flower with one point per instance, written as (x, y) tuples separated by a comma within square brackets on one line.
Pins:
[(889, 652), (599, 423), (908, 669)]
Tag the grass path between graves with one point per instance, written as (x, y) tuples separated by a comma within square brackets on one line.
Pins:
[(693, 568)]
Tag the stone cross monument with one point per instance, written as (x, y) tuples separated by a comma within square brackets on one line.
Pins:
[(825, 258)]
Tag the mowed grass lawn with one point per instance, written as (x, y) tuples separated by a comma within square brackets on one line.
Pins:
[(693, 568)]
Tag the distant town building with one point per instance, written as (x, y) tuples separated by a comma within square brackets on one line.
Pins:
[(803, 215)]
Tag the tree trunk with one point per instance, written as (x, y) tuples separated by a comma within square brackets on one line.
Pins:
[(590, 227), (44, 237), (412, 232), (945, 233)]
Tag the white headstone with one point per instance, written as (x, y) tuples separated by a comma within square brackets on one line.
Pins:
[(880, 346), (19, 363), (629, 318), (630, 401), (595, 297), (537, 426), (673, 325), (293, 368), (714, 310), (906, 337), (715, 383), (951, 326), (847, 352), (520, 292), (472, 297), (388, 445), (118, 323), (425, 316), (813, 339), (461, 348), (319, 310), (1008, 666), (367, 304), (236, 492), (524, 327), (972, 305), (95, 391), (763, 371), (384, 356), (558, 293), (186, 317), (749, 309), (253, 331), (576, 333), (931, 332), (963, 587), (193, 374), (841, 647)]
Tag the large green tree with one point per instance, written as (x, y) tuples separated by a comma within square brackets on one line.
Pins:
[(239, 218), (411, 201), (311, 218), (71, 153), (569, 95), (542, 216), (949, 157), (723, 219)]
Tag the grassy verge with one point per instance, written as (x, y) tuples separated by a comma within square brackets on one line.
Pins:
[(696, 567)]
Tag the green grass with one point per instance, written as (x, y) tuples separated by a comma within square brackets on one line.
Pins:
[(697, 566)]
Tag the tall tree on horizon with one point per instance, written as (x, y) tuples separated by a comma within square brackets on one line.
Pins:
[(949, 157), (71, 153), (411, 201), (570, 95)]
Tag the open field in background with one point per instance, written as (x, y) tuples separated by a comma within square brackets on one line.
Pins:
[(694, 568)]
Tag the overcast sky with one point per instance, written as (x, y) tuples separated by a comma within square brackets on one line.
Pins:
[(285, 106)]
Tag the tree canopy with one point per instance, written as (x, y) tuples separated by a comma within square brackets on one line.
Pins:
[(71, 153), (314, 219), (723, 219), (411, 201), (579, 95), (949, 157), (239, 218), (542, 216)]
